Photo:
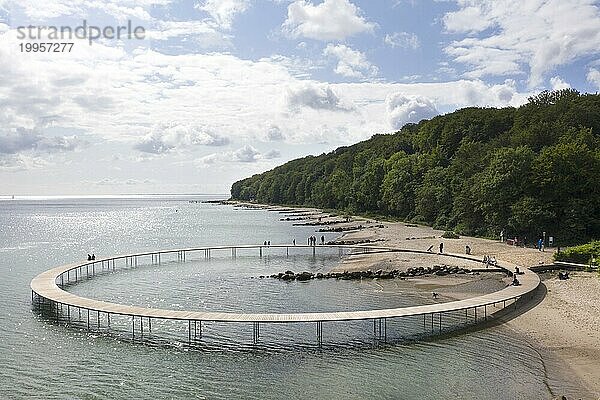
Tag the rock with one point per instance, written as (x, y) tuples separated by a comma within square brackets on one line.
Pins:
[(262, 277), (441, 273), (288, 277), (319, 275), (289, 272), (304, 276)]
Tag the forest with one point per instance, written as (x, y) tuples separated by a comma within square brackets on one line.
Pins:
[(476, 171)]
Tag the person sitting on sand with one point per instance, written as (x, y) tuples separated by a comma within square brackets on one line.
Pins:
[(430, 249), (435, 295), (89, 257), (467, 249), (515, 281), (93, 256)]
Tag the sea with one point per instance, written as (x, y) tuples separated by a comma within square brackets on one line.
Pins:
[(42, 358)]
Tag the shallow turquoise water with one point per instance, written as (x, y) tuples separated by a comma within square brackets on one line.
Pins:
[(41, 359)]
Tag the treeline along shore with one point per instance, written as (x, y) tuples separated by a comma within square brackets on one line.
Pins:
[(477, 171)]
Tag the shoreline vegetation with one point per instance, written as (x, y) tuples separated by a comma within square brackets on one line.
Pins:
[(561, 326), (521, 171)]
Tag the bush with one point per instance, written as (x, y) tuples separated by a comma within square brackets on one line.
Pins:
[(450, 235), (582, 254)]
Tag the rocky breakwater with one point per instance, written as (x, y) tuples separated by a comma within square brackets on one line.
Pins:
[(439, 270)]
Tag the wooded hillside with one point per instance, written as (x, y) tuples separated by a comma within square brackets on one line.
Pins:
[(476, 171)]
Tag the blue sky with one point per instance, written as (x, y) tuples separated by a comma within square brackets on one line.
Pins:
[(219, 90)]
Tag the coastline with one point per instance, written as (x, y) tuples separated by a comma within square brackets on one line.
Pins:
[(562, 327)]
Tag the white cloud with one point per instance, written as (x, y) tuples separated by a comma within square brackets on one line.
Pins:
[(315, 96), (122, 182), (350, 63), (274, 134), (593, 76), (205, 34), (330, 20), (166, 138), (224, 11), (403, 40), (509, 37), (21, 162), (20, 140), (245, 154), (38, 11), (558, 83), (404, 109)]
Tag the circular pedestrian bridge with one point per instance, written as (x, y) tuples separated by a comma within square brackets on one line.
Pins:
[(47, 288)]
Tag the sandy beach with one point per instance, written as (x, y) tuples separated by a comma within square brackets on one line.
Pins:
[(562, 325)]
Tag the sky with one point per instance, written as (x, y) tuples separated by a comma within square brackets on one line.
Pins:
[(216, 91)]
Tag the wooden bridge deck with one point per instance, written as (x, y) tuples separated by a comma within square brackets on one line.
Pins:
[(45, 286)]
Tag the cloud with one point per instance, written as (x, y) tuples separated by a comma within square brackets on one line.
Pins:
[(330, 20), (124, 182), (204, 33), (593, 76), (21, 162), (121, 10), (515, 37), (403, 40), (22, 140), (18, 141), (274, 134), (314, 95), (351, 63), (404, 109), (558, 83), (164, 139), (245, 154), (224, 11)]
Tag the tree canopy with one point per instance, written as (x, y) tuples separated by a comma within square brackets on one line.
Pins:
[(476, 171)]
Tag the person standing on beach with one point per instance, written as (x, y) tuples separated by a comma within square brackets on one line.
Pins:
[(442, 247), (294, 242), (322, 239)]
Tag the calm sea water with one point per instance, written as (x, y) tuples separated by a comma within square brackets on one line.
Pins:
[(42, 359)]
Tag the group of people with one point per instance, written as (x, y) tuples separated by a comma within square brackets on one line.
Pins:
[(490, 260), (91, 257), (312, 240), (267, 243)]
